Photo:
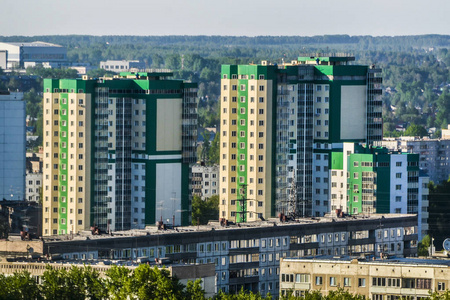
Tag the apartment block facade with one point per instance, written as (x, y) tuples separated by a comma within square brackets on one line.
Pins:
[(368, 180), (434, 154), (205, 181), (279, 124), (117, 152), (12, 146), (248, 256), (381, 279)]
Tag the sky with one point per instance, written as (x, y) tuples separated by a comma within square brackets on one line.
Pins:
[(226, 17)]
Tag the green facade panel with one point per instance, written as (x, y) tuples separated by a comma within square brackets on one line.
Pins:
[(160, 88)]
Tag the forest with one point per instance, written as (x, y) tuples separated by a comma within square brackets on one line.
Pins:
[(416, 74)]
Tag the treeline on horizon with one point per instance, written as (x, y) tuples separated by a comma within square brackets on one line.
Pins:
[(415, 68), (429, 40)]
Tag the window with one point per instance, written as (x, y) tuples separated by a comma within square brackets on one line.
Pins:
[(261, 99), (361, 282), (261, 88), (261, 111), (302, 278), (319, 99), (398, 164), (318, 87), (319, 280), (333, 281), (441, 286), (398, 187), (347, 281)]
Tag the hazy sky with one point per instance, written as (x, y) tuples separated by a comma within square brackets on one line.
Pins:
[(226, 17)]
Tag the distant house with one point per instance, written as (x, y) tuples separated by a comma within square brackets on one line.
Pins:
[(122, 65)]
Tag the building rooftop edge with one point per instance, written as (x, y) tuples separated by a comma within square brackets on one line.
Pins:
[(215, 226)]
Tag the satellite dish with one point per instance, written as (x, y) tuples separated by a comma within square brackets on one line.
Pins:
[(446, 244)]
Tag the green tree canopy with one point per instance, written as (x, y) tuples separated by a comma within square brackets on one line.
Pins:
[(415, 130), (204, 210)]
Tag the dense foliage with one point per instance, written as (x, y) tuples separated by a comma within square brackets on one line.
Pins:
[(144, 282), (416, 73), (119, 283), (205, 210)]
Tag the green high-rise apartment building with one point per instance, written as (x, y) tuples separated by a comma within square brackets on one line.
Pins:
[(369, 180), (117, 151), (279, 124)]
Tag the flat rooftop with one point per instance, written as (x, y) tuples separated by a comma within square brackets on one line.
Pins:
[(215, 225), (331, 58), (34, 44), (387, 261)]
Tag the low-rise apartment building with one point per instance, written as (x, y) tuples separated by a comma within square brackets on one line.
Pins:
[(380, 279), (434, 154), (205, 181), (245, 255)]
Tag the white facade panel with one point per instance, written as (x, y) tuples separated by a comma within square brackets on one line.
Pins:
[(353, 112), (398, 184), (168, 125)]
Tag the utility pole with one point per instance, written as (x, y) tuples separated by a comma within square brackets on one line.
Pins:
[(241, 208)]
